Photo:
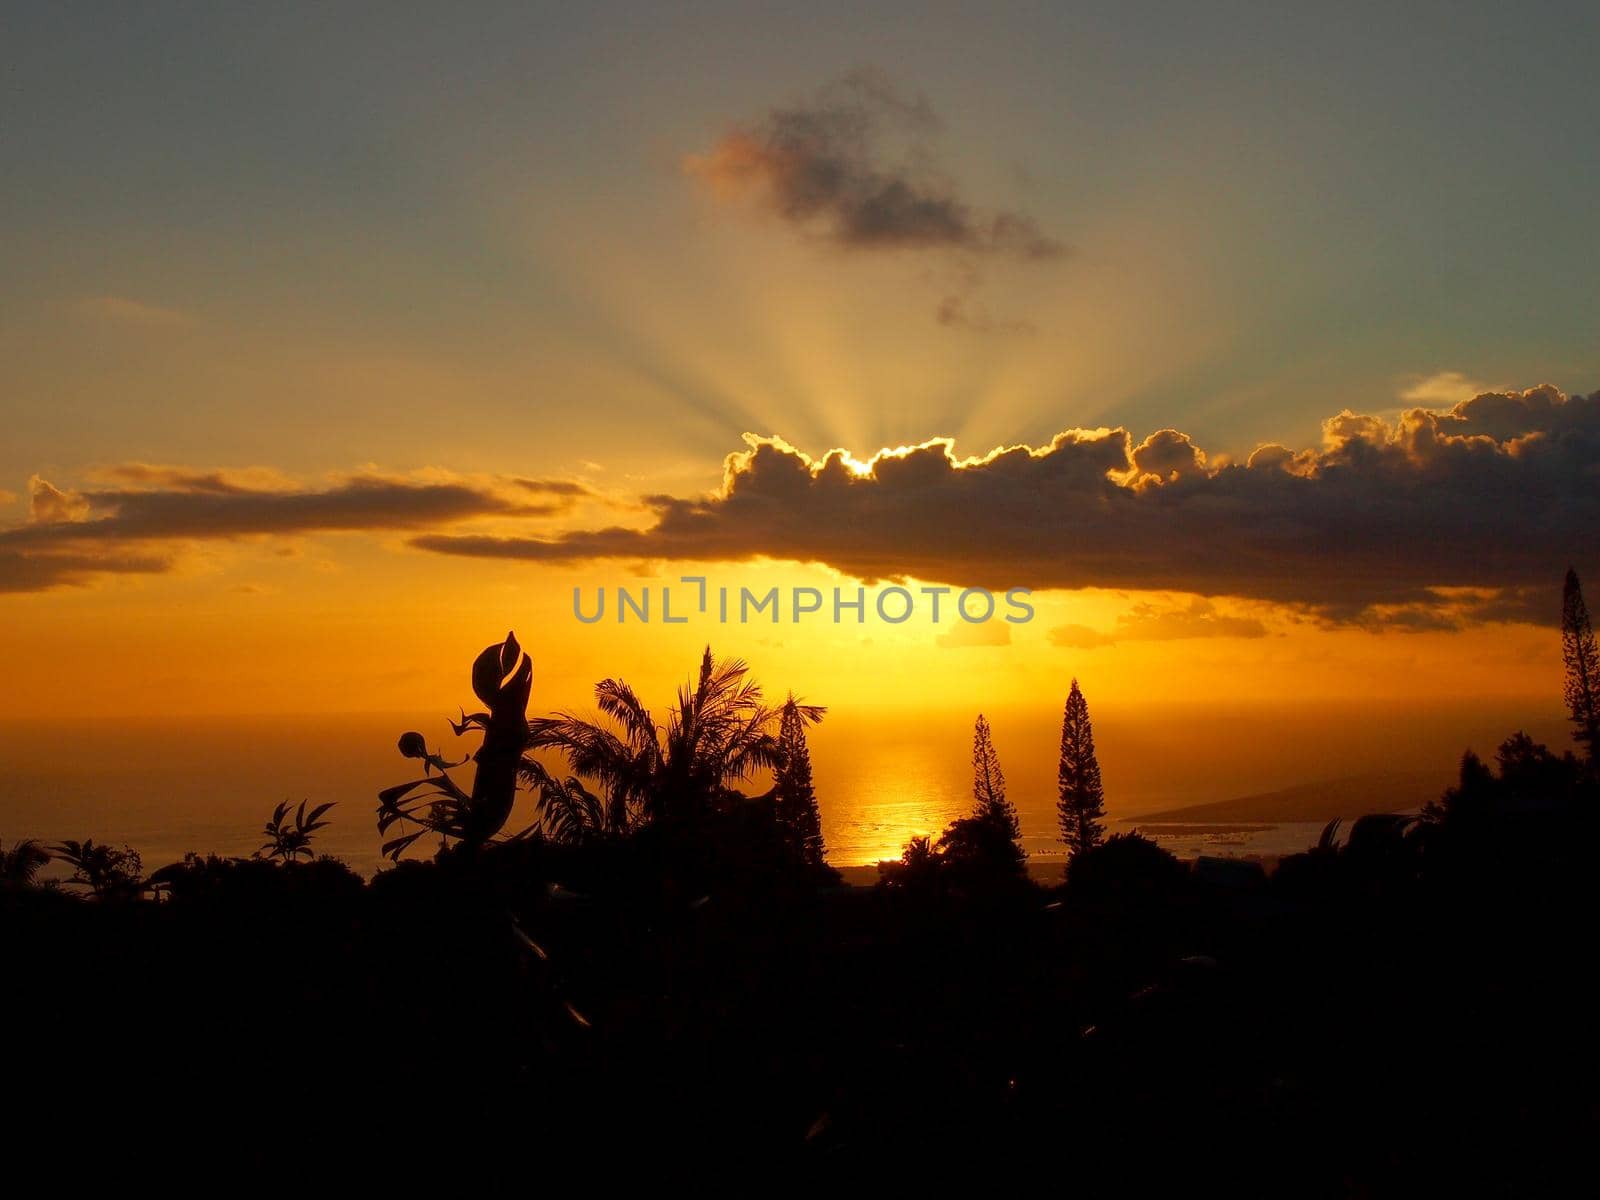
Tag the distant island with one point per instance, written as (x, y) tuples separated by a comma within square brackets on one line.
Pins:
[(1347, 797)]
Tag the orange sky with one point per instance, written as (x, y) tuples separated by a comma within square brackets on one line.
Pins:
[(542, 289)]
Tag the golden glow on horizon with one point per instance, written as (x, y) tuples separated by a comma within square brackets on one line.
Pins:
[(341, 626)]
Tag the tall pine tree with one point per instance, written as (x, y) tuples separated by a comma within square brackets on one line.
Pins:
[(989, 782), (1082, 799), (1582, 660), (795, 798)]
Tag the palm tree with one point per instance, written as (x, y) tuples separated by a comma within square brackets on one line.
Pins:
[(719, 734), (20, 864)]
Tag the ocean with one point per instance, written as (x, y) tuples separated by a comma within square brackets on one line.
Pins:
[(166, 786)]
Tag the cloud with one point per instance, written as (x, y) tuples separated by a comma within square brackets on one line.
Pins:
[(1463, 514), (188, 479), (959, 311), (119, 310), (1167, 456), (1443, 387), (828, 168), (1153, 623), (364, 502), (75, 534), (40, 572), (560, 495), (49, 504), (967, 634)]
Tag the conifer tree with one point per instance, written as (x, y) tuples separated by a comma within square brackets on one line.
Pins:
[(796, 799), (989, 782), (1582, 661), (1082, 798)]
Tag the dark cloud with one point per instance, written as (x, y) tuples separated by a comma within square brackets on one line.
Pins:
[(553, 487), (1455, 515), (74, 535), (205, 507), (826, 167), (40, 572)]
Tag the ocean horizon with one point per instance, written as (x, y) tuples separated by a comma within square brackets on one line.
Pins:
[(167, 786)]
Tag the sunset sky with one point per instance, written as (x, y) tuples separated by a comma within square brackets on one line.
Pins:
[(337, 340)]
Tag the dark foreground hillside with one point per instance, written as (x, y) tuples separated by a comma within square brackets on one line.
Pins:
[(1411, 1011)]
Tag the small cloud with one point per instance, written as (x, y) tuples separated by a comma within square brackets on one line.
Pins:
[(1443, 388), (50, 505), (957, 311), (222, 482), (41, 572), (1169, 455), (965, 635), (119, 310), (1154, 623), (560, 495), (853, 166), (1080, 637)]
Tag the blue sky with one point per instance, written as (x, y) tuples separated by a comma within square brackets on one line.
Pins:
[(1274, 212)]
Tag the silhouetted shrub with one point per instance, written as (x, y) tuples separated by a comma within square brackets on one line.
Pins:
[(258, 884), (104, 872), (288, 839), (974, 854), (917, 868), (1123, 864), (982, 850)]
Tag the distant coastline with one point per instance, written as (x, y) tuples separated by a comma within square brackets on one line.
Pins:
[(1347, 797)]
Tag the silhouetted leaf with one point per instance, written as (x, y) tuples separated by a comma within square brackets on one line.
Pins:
[(486, 675), (389, 795)]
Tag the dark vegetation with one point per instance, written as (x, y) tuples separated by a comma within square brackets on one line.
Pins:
[(662, 975)]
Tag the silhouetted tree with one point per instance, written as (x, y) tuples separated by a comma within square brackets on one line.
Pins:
[(795, 799), (20, 864), (983, 849), (1528, 776), (1582, 661), (1531, 772), (989, 782), (978, 851), (917, 867), (1082, 797), (974, 853), (719, 734)]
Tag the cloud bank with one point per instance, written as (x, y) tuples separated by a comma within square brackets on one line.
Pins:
[(134, 525), (1441, 518)]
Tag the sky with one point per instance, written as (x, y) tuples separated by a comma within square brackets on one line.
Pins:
[(336, 340)]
